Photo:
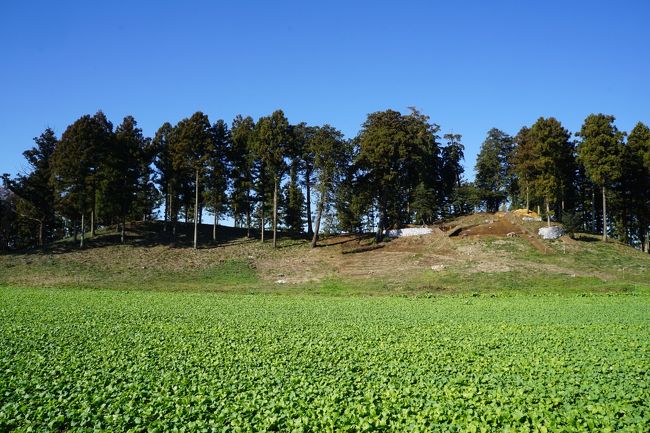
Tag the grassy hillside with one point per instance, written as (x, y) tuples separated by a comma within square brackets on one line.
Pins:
[(480, 258)]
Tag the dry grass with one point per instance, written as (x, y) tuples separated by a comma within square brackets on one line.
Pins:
[(430, 262)]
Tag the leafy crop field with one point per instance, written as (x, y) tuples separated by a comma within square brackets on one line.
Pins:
[(81, 360)]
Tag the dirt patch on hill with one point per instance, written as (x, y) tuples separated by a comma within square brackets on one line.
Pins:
[(500, 228)]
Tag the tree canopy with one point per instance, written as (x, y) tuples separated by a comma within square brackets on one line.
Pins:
[(393, 173)]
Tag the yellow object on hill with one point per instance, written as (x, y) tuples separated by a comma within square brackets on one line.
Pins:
[(523, 213)]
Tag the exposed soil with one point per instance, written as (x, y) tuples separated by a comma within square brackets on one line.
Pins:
[(484, 243), (500, 228)]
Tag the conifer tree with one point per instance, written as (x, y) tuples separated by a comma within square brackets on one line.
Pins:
[(242, 169), (272, 137), (166, 176), (600, 152), (33, 193), (451, 174), (216, 174), (75, 167), (552, 157), (192, 139), (330, 157), (493, 173), (523, 162), (636, 183), (396, 153)]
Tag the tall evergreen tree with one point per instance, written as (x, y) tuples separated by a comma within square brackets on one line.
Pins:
[(273, 135), (242, 160), (125, 176), (33, 193), (303, 134), (397, 152), (330, 157), (636, 184), (75, 166), (192, 140), (7, 216), (493, 173), (552, 156), (600, 152), (451, 174), (104, 138), (216, 176), (523, 162), (166, 175), (352, 197), (293, 202)]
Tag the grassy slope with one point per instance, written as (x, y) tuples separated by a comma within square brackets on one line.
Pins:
[(403, 266)]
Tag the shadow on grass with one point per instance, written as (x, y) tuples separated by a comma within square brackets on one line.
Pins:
[(156, 233)]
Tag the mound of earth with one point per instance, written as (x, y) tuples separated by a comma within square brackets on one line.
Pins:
[(500, 228)]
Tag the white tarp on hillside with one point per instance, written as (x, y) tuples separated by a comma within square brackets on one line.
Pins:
[(399, 233), (553, 232)]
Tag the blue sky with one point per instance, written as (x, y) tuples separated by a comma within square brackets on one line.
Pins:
[(469, 65)]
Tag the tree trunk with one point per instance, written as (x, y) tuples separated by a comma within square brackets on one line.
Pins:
[(196, 207), (173, 215), (41, 244), (527, 200), (319, 213), (275, 212), (214, 227), (262, 220), (380, 226), (310, 229), (123, 230), (548, 214), (604, 215), (92, 222), (75, 230), (83, 229), (593, 210), (166, 211), (248, 221)]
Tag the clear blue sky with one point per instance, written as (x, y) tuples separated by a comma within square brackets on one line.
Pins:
[(468, 65)]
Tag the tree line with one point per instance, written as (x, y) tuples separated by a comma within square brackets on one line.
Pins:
[(270, 175), (596, 180)]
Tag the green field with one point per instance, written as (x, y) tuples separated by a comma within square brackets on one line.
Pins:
[(81, 360)]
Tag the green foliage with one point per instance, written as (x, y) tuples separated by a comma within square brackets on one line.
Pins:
[(272, 139), (493, 173), (241, 158), (452, 170), (192, 140), (634, 205), (150, 361), (76, 163), (294, 203), (124, 171), (424, 204), (572, 223), (34, 196), (397, 152), (601, 148), (552, 159), (216, 173)]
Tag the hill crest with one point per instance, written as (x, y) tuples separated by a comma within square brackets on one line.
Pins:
[(480, 257)]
